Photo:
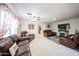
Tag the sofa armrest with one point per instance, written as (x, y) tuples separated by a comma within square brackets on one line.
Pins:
[(23, 42)]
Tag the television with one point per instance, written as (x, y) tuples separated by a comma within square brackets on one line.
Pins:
[(64, 26)]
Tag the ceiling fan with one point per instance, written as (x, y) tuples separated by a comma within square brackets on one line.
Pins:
[(33, 16)]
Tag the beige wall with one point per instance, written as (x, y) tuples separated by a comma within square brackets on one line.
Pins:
[(74, 25), (24, 26)]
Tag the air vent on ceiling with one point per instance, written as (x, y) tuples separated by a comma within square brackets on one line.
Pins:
[(29, 13)]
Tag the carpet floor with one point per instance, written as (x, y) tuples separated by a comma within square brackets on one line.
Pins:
[(42, 46)]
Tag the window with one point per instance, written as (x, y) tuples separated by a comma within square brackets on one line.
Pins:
[(8, 22)]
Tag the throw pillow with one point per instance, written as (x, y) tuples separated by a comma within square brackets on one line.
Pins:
[(13, 49)]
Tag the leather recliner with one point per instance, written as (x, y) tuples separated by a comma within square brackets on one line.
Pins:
[(23, 46), (49, 33)]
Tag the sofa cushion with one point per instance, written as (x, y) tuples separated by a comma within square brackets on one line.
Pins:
[(5, 44), (13, 49), (23, 42), (22, 49), (14, 37)]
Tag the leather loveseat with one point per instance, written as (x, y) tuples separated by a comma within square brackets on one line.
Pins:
[(70, 41)]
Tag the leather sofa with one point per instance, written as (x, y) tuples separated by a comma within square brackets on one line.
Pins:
[(49, 33), (23, 33), (31, 37), (70, 41), (23, 46)]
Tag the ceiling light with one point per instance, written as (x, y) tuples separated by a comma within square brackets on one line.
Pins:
[(34, 19), (54, 19)]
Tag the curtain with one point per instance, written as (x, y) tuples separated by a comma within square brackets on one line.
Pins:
[(8, 22)]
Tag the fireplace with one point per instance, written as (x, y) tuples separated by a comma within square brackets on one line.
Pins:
[(63, 29), (62, 34)]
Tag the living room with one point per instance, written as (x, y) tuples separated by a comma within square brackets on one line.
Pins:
[(49, 27)]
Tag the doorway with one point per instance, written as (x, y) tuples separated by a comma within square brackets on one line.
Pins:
[(39, 29)]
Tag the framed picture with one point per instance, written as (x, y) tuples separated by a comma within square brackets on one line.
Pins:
[(31, 26), (48, 26)]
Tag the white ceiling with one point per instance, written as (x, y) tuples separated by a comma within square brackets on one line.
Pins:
[(47, 11)]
